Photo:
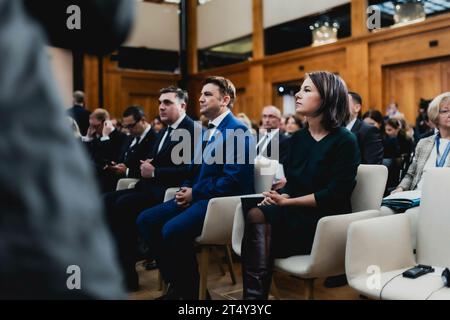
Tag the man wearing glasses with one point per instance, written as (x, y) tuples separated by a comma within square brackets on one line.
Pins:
[(136, 147)]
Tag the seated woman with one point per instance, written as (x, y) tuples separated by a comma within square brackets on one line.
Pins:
[(293, 124), (321, 175), (432, 151)]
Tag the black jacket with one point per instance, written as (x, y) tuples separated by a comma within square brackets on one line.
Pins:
[(81, 116), (369, 141), (167, 172)]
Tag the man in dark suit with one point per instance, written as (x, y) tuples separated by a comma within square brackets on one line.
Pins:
[(79, 113), (369, 137), (137, 147), (157, 174), (171, 228), (271, 140), (272, 143)]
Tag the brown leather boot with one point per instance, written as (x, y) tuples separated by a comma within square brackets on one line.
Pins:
[(256, 262)]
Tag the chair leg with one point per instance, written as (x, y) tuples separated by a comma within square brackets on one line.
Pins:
[(230, 264), (161, 284), (309, 289), (218, 260), (274, 290), (204, 257)]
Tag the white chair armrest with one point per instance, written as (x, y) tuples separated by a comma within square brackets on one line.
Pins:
[(126, 183), (170, 193), (384, 242)]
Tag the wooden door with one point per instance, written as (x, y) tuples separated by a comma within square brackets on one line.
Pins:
[(406, 84)]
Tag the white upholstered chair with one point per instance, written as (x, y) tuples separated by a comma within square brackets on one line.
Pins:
[(126, 183), (379, 250), (328, 250)]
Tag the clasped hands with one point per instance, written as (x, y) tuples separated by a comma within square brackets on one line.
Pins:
[(274, 198), (183, 197)]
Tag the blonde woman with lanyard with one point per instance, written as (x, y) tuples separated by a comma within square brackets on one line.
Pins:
[(432, 151)]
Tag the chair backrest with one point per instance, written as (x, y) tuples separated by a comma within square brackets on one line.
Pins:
[(220, 215), (433, 228), (370, 184), (328, 250), (265, 170)]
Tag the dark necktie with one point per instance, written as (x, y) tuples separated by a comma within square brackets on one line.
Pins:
[(208, 134), (132, 148)]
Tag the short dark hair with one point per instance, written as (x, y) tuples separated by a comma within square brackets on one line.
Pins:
[(375, 115), (181, 94), (226, 88), (334, 94), (136, 111), (356, 97), (78, 97)]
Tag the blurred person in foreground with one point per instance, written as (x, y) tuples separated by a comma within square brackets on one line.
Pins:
[(52, 226)]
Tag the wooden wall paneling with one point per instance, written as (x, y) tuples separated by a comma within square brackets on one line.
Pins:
[(412, 47), (256, 89), (445, 73), (290, 70), (268, 92), (90, 73), (410, 82), (356, 72), (112, 94), (404, 49)]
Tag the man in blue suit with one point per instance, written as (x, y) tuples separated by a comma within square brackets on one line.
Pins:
[(226, 170)]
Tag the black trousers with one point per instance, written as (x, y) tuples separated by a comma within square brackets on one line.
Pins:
[(122, 209)]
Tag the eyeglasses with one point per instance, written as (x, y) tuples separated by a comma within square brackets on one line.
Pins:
[(130, 126), (444, 111)]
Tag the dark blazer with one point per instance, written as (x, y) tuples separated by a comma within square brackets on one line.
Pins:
[(369, 141), (283, 143), (104, 152), (226, 178), (81, 116), (167, 173), (142, 152)]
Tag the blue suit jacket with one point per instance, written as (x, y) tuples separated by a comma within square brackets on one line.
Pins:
[(232, 172)]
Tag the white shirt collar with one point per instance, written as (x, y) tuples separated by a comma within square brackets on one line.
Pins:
[(351, 124), (177, 123), (216, 122), (272, 132), (145, 133)]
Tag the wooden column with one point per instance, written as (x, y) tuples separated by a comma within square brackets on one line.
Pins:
[(258, 30), (256, 71), (357, 70), (91, 81), (192, 57), (359, 17)]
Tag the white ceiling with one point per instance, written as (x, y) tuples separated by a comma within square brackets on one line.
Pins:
[(219, 21)]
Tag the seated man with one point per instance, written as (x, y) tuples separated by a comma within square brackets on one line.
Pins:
[(158, 174), (136, 147), (171, 228)]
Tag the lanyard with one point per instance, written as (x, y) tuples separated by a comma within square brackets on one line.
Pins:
[(440, 161)]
